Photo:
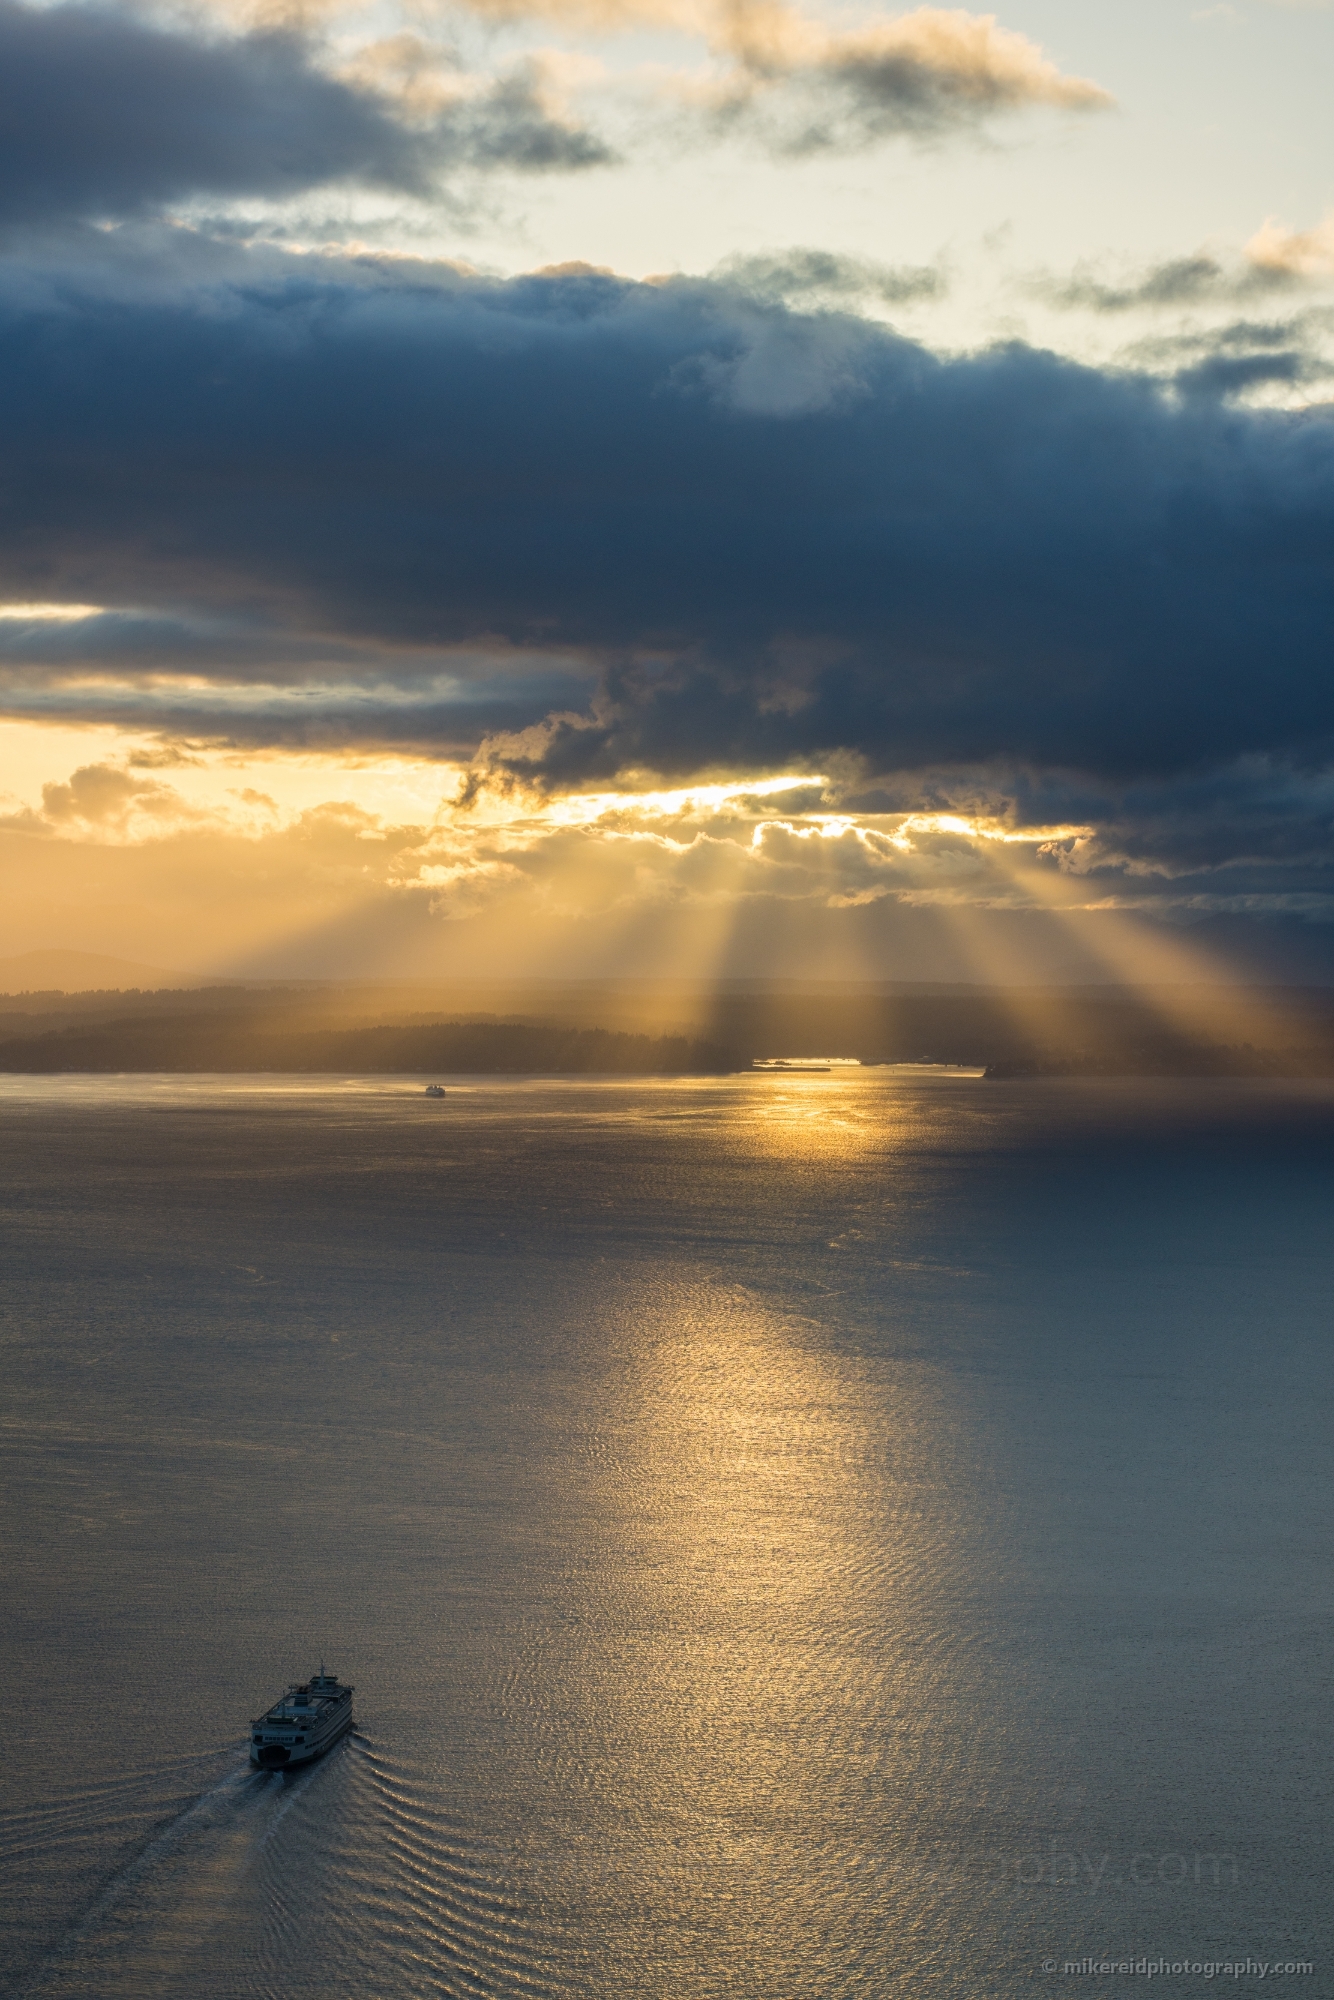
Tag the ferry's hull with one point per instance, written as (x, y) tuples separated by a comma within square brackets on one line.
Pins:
[(279, 1757)]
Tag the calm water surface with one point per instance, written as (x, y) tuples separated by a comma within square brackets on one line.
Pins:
[(835, 1536)]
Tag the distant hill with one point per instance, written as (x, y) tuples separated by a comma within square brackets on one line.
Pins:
[(83, 972), (360, 1028), (227, 1042)]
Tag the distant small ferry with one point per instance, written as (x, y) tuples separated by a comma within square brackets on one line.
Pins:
[(302, 1724), (435, 1090)]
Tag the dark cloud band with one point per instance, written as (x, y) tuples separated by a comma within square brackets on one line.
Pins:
[(781, 534), (102, 115)]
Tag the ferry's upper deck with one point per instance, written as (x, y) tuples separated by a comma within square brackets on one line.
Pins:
[(305, 1701)]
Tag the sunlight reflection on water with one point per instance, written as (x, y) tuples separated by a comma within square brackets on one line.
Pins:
[(790, 1537)]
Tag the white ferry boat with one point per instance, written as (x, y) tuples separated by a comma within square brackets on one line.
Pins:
[(303, 1723)]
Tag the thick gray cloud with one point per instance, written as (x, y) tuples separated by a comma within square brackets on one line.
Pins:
[(777, 538), (103, 115)]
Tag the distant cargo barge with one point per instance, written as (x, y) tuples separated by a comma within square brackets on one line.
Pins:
[(805, 1065)]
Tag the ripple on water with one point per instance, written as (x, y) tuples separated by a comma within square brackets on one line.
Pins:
[(752, 1533)]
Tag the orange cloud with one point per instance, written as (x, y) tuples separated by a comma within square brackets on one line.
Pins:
[(1295, 253)]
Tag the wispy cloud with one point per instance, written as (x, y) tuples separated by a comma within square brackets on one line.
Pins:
[(1175, 284), (805, 87), (1276, 259), (801, 85), (1280, 252), (817, 278), (1241, 356)]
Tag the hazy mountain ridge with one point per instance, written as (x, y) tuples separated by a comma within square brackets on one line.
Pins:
[(670, 1030), (82, 972), (220, 1043)]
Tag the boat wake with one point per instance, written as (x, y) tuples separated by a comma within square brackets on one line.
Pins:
[(139, 1929), (355, 1874), (443, 1901)]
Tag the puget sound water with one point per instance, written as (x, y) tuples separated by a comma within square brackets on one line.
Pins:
[(851, 1535)]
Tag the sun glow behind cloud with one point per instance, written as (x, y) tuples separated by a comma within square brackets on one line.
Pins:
[(38, 613), (776, 834), (332, 863)]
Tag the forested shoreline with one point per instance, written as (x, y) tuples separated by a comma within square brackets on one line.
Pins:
[(670, 1030)]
